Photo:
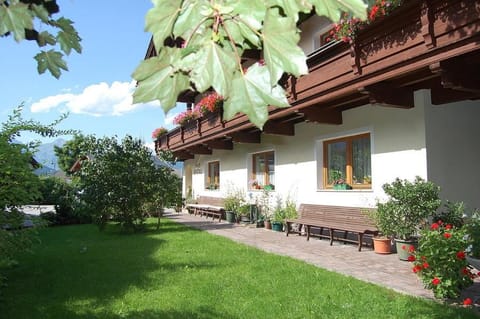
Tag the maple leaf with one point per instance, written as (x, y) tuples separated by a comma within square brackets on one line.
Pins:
[(253, 94), (52, 61), (15, 18), (159, 79)]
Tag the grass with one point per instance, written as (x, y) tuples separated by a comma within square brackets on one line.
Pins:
[(177, 272)]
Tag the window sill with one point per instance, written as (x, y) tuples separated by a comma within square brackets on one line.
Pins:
[(331, 190)]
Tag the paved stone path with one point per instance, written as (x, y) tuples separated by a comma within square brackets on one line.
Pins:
[(384, 270)]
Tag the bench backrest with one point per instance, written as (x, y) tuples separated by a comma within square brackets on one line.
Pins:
[(208, 200), (349, 217)]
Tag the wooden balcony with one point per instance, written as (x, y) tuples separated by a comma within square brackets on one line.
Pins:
[(422, 45)]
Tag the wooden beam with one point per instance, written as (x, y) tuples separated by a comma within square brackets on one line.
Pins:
[(246, 137), (278, 128), (387, 95), (220, 144), (316, 115), (199, 149), (183, 155), (457, 75)]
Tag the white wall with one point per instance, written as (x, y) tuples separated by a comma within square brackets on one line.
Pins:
[(398, 150), (453, 133)]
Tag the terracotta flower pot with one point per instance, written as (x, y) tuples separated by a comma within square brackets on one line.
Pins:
[(382, 245)]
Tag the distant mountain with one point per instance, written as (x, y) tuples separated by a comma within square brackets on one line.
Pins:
[(45, 155)]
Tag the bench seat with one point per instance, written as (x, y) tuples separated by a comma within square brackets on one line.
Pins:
[(337, 221), (208, 206)]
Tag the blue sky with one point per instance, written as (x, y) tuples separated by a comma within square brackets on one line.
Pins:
[(97, 89)]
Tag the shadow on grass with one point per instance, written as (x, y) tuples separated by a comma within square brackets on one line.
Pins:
[(78, 263), (199, 313)]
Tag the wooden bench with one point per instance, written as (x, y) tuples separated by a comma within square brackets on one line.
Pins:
[(336, 220), (207, 206)]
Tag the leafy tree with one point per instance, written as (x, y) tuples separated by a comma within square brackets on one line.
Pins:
[(70, 152), (17, 18), (118, 179), (201, 44), (62, 194), (18, 184)]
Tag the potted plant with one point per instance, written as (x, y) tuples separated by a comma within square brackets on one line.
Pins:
[(243, 213), (408, 206), (231, 203), (382, 243), (338, 181)]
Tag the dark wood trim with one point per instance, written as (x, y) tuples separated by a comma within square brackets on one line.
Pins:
[(386, 94), (278, 128), (246, 137), (220, 144), (317, 115), (199, 149)]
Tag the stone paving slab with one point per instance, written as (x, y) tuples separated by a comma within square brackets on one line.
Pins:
[(383, 270)]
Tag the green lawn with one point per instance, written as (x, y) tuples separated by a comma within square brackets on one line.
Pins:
[(178, 272)]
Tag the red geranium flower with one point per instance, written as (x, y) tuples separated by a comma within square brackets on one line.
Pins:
[(426, 265), (411, 249), (467, 302), (435, 281), (449, 226), (434, 226), (411, 258), (417, 268), (461, 255), (447, 235)]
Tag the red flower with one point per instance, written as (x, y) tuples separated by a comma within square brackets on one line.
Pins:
[(461, 255), (426, 265), (411, 258), (435, 281), (404, 247), (411, 249), (447, 235), (449, 226), (467, 302), (434, 226), (373, 12), (465, 271), (417, 268)]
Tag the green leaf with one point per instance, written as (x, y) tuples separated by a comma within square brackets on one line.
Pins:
[(214, 68), (41, 12), (252, 94), (252, 13), (333, 8), (281, 52), (68, 36), (52, 61), (160, 19), (45, 38), (159, 80), (189, 16), (15, 18), (291, 7)]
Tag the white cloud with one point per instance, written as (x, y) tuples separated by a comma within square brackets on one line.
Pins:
[(97, 100)]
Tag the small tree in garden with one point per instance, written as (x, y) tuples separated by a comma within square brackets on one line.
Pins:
[(18, 184), (118, 179)]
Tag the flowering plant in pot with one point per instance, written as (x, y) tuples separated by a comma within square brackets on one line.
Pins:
[(406, 210), (210, 103), (186, 117), (348, 26), (472, 226), (440, 259), (158, 132)]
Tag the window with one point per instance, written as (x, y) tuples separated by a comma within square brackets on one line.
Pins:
[(213, 175), (347, 160), (263, 171)]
